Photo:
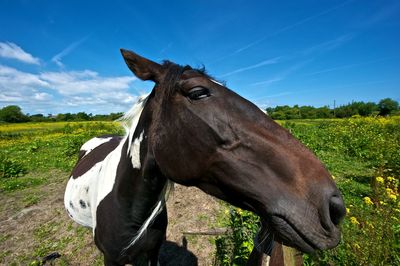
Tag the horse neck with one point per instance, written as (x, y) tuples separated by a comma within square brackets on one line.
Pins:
[(139, 185)]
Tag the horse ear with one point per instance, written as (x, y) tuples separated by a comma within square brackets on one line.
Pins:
[(143, 68)]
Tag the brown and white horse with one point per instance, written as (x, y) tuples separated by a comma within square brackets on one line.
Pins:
[(194, 131)]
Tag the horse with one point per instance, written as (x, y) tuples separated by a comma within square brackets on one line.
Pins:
[(192, 130)]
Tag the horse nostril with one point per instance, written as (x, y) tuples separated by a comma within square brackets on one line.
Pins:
[(337, 211)]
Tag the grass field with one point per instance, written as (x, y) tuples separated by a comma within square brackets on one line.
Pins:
[(35, 160), (362, 153)]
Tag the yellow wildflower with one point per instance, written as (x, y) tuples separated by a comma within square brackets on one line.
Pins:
[(393, 197), (390, 179), (380, 179), (347, 210), (391, 194), (370, 225), (368, 201), (333, 177), (354, 220)]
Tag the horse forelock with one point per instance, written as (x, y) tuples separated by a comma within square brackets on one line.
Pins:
[(173, 75)]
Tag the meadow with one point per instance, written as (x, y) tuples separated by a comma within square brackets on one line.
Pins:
[(362, 154)]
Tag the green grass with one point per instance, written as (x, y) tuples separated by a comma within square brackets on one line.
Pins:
[(355, 151), (43, 147)]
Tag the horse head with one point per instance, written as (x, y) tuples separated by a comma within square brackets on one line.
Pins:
[(205, 135)]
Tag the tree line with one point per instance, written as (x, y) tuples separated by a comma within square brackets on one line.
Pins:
[(14, 114), (387, 106), (384, 107)]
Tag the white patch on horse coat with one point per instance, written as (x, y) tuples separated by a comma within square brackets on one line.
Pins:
[(100, 178), (93, 143), (135, 151), (216, 82), (80, 189)]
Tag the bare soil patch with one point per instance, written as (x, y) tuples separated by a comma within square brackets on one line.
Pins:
[(33, 224)]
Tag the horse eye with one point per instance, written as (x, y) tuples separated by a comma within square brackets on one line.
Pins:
[(198, 93)]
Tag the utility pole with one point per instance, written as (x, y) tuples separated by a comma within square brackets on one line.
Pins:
[(334, 108)]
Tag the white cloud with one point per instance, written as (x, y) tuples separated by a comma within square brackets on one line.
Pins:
[(11, 78), (65, 91), (42, 96), (13, 51), (84, 82)]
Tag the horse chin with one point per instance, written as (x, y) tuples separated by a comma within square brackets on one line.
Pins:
[(289, 234)]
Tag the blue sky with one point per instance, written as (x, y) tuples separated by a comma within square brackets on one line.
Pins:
[(63, 56)]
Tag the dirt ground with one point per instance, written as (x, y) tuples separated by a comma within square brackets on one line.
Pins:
[(33, 224)]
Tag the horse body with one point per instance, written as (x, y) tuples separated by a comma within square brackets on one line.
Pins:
[(194, 131), (92, 178)]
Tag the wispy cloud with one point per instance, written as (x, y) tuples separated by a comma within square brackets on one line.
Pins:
[(271, 61), (268, 81), (303, 55), (57, 58), (265, 101), (285, 28), (326, 46), (281, 75), (386, 12), (167, 47), (13, 51), (349, 66)]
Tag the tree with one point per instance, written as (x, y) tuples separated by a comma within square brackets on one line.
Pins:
[(12, 114), (387, 105), (367, 109), (82, 116), (37, 118)]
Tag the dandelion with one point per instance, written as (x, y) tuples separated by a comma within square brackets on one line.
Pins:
[(380, 179), (347, 210), (354, 220), (368, 201)]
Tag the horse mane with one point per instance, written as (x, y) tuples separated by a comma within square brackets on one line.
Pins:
[(130, 121)]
